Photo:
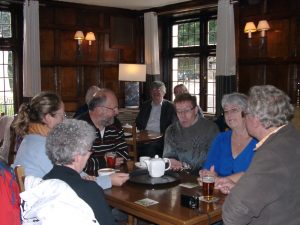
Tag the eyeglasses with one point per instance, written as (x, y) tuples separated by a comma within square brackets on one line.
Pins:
[(91, 150), (113, 109), (233, 110), (184, 111), (61, 114)]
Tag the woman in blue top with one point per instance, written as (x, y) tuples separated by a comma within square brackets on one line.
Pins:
[(231, 151)]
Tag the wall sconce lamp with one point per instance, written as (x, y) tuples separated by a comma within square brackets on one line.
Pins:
[(250, 28), (79, 36), (263, 26), (133, 74), (90, 36)]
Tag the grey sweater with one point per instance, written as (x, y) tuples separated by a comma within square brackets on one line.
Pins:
[(191, 144)]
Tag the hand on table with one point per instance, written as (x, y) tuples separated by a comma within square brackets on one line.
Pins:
[(118, 179), (224, 184), (119, 161), (175, 165), (204, 172), (88, 177)]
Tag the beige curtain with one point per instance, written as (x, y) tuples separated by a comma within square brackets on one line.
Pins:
[(226, 59), (151, 43), (31, 50)]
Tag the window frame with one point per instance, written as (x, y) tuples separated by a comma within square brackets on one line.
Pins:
[(15, 44), (203, 51)]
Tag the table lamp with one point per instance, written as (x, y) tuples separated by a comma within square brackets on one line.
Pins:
[(132, 74)]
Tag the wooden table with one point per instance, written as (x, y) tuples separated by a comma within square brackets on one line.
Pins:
[(145, 136), (169, 210)]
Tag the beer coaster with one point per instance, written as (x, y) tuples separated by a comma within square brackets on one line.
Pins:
[(146, 202), (188, 185), (214, 199)]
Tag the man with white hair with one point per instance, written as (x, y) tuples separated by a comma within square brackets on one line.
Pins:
[(155, 115)]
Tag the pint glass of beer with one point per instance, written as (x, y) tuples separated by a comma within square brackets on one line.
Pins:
[(208, 184), (110, 159)]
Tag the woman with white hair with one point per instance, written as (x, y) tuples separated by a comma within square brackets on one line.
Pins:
[(68, 146), (231, 151)]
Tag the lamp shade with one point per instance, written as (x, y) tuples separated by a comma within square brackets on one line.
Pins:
[(90, 36), (132, 72), (263, 25), (79, 35), (249, 27)]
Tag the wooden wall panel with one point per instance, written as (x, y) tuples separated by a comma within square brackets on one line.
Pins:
[(65, 16), (278, 38), (48, 79), (122, 32), (109, 54), (68, 82), (90, 18), (47, 39), (277, 75), (249, 76), (67, 46), (46, 15), (127, 55), (71, 74), (276, 62), (110, 78), (90, 52), (91, 77)]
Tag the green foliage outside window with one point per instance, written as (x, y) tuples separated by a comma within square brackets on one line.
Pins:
[(5, 24), (188, 34), (212, 32)]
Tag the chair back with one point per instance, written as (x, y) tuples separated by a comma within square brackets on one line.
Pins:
[(131, 141), (20, 175)]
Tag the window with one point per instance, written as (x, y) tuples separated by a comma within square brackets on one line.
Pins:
[(193, 57), (6, 83), (6, 67), (11, 16)]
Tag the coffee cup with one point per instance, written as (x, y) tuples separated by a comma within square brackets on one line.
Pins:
[(110, 159), (208, 184), (105, 171), (142, 160)]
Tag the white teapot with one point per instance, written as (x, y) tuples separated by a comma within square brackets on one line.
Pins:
[(156, 166)]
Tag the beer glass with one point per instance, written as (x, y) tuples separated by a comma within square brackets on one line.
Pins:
[(110, 159), (208, 184)]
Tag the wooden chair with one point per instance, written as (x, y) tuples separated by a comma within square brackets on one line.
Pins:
[(131, 141), (20, 175)]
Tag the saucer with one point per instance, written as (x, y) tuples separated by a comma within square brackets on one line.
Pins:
[(138, 165), (106, 171)]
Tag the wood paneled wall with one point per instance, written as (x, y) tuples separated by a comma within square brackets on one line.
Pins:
[(275, 59), (118, 40)]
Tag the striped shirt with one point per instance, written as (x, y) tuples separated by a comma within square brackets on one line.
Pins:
[(112, 141)]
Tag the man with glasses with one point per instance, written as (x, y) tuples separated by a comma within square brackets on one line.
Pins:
[(103, 107), (155, 115), (187, 140)]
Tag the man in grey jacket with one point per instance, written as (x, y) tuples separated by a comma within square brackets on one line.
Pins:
[(269, 192)]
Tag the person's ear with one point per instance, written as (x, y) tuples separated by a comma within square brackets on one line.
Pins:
[(47, 119)]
